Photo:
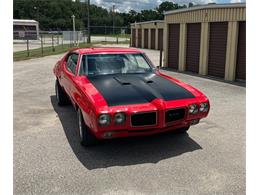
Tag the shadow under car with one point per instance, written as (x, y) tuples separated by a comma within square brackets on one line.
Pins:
[(122, 151)]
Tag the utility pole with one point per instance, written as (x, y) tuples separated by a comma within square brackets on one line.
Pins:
[(113, 17), (74, 29), (88, 13)]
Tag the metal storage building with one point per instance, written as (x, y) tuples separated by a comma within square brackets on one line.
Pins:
[(25, 29), (208, 40), (147, 35)]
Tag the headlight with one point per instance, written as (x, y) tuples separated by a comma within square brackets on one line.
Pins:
[(120, 118), (204, 107), (193, 109), (104, 119)]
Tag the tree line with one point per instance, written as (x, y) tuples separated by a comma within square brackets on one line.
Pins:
[(56, 14)]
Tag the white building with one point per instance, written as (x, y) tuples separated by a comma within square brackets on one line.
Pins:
[(25, 29)]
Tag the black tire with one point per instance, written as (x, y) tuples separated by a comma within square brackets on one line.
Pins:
[(182, 130), (86, 137), (61, 95)]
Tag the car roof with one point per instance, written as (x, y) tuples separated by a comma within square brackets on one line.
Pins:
[(106, 50)]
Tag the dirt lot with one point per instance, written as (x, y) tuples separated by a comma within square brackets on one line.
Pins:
[(48, 158)]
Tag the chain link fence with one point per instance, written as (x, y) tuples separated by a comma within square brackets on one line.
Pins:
[(32, 43)]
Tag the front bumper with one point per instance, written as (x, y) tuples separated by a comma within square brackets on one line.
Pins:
[(127, 130)]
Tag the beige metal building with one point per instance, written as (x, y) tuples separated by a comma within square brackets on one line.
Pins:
[(147, 34), (208, 40)]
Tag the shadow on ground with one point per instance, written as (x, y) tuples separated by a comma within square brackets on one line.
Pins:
[(123, 151)]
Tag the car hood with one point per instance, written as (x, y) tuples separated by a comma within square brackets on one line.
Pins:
[(127, 89)]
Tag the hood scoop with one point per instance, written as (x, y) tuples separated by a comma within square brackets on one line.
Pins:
[(122, 81), (149, 81)]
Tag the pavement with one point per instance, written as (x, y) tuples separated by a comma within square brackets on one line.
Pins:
[(48, 158)]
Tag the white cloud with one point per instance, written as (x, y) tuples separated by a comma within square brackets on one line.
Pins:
[(235, 1), (137, 5)]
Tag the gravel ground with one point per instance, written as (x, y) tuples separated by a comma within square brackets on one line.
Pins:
[(48, 158)]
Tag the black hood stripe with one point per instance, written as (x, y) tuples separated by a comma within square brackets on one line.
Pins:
[(137, 88)]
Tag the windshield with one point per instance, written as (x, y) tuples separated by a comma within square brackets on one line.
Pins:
[(102, 64)]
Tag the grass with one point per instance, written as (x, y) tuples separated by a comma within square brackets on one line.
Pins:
[(47, 51)]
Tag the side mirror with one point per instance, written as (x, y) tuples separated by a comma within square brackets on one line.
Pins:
[(158, 67)]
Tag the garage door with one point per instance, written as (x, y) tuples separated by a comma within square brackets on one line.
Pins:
[(145, 38), (139, 38), (173, 45), (193, 47), (152, 38), (133, 37), (160, 39), (217, 49), (241, 52)]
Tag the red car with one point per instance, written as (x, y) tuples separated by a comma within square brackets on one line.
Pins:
[(118, 92)]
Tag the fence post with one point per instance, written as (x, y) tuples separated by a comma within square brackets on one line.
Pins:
[(27, 43), (42, 45), (58, 39), (117, 38), (161, 57), (52, 43), (62, 41)]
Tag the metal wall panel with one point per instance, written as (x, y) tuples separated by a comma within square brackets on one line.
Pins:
[(208, 15), (160, 39), (133, 37), (193, 47), (241, 52), (152, 38), (217, 49), (173, 45), (139, 41), (146, 38)]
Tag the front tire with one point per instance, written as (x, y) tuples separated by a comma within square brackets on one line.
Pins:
[(61, 96), (86, 137)]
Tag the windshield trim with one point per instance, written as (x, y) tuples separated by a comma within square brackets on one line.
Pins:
[(149, 63)]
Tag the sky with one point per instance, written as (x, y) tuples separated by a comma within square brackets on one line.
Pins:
[(137, 5)]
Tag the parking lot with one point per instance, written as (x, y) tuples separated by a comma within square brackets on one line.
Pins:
[(48, 158)]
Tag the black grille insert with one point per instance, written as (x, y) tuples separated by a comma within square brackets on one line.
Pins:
[(143, 119), (174, 115)]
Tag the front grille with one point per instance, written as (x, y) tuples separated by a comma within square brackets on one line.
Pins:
[(174, 115), (143, 119)]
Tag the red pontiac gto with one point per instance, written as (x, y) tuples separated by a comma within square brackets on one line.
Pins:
[(118, 92)]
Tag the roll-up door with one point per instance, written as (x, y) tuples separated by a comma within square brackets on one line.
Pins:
[(152, 38), (241, 52), (193, 47), (217, 49), (139, 38), (146, 38), (133, 37), (160, 39), (173, 45)]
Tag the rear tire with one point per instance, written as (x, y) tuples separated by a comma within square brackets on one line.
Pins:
[(182, 130), (86, 136), (61, 95)]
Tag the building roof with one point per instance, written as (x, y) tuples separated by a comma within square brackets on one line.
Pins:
[(24, 21), (207, 6), (147, 22)]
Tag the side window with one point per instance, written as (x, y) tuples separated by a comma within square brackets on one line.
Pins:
[(141, 62), (71, 63)]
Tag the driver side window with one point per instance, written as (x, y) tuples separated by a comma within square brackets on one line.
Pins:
[(71, 63)]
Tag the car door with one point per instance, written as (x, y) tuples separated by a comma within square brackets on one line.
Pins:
[(70, 73)]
